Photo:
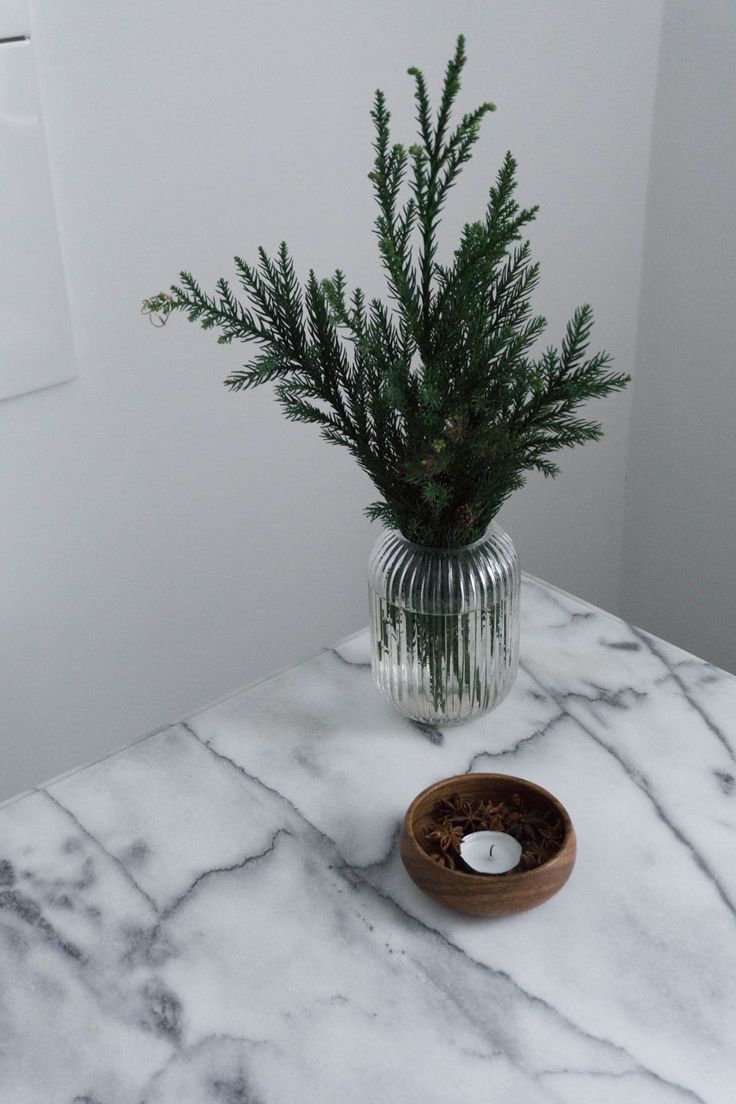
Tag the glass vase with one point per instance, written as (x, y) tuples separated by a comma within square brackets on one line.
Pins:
[(444, 625)]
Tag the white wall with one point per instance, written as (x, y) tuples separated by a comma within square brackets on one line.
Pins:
[(166, 542), (680, 541)]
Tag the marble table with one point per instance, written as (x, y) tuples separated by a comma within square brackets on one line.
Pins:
[(218, 914)]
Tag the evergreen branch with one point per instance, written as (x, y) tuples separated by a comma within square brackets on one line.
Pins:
[(450, 90), (424, 110), (439, 395), (264, 369)]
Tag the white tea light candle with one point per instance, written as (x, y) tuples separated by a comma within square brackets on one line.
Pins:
[(490, 852)]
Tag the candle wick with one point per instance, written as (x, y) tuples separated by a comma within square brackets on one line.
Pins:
[(490, 853)]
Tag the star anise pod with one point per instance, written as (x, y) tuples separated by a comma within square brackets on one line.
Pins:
[(448, 836), (458, 810)]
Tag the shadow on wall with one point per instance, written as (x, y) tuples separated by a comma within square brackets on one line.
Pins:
[(679, 576)]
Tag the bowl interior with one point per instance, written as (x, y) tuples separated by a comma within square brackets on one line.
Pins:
[(483, 787)]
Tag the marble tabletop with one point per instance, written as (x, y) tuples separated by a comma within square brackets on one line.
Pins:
[(218, 913)]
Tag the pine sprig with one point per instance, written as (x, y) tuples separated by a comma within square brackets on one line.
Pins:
[(439, 396)]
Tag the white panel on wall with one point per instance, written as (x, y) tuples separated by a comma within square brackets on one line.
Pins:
[(36, 347)]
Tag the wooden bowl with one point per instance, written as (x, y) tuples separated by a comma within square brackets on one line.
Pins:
[(484, 894)]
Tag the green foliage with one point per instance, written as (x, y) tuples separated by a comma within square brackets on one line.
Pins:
[(439, 396)]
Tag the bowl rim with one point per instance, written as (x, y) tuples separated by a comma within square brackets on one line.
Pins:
[(510, 876)]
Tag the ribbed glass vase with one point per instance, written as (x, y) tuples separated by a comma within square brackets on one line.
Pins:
[(444, 625)]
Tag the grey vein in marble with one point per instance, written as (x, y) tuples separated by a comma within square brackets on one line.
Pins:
[(218, 914)]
